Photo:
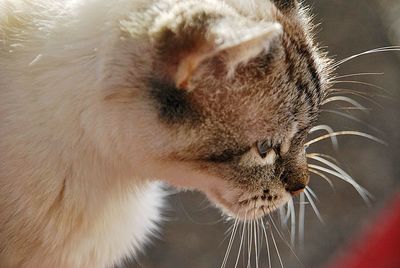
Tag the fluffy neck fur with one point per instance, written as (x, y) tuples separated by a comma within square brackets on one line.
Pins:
[(64, 186)]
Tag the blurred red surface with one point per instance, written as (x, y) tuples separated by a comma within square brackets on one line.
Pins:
[(379, 247)]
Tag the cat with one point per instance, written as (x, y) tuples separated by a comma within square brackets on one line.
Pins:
[(101, 102)]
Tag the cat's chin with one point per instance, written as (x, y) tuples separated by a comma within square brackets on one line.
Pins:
[(235, 202), (243, 205)]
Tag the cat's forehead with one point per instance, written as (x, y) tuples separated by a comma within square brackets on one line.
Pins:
[(249, 115)]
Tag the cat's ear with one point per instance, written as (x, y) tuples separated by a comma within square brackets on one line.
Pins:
[(286, 6), (241, 43), (183, 48)]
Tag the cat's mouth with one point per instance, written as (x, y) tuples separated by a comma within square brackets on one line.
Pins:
[(245, 205)]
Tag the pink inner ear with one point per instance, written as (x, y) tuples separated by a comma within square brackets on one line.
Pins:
[(189, 64), (185, 70)]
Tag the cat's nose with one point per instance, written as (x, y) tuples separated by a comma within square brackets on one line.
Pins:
[(296, 188), (295, 182)]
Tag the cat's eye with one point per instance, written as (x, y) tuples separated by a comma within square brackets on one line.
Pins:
[(267, 153), (265, 150), (262, 148)]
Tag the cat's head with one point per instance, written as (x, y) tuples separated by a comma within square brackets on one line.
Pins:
[(234, 91)]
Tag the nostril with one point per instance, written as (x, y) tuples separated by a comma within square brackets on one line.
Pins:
[(296, 188)]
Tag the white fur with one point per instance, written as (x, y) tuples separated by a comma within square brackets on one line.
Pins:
[(66, 189)]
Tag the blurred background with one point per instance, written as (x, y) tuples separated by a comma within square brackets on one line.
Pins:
[(194, 233)]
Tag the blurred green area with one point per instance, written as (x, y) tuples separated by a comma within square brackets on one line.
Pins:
[(193, 234)]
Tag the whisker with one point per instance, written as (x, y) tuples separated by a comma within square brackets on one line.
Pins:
[(255, 242), (266, 243), (365, 195), (345, 99), (276, 247), (356, 92), (228, 232), (249, 243), (342, 133), (346, 115), (288, 212), (322, 176), (339, 170), (356, 74), (259, 237), (359, 83), (241, 241), (314, 207), (328, 129), (324, 155), (292, 222), (351, 108), (301, 220), (283, 212), (283, 239), (372, 51), (187, 214), (363, 95), (313, 194), (228, 250)]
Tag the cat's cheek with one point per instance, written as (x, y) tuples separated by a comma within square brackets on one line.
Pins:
[(183, 176), (225, 200), (218, 190)]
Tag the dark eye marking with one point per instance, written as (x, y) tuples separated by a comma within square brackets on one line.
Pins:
[(173, 104), (226, 155)]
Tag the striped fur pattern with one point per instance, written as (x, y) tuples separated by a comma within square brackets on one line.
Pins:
[(100, 100)]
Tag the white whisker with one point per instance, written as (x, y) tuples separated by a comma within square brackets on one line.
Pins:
[(282, 238), (266, 243), (228, 250), (356, 74), (259, 236), (363, 95), (341, 171), (313, 194), (249, 243), (241, 241), (351, 108), (322, 176), (323, 155), (343, 133), (314, 207), (328, 129), (376, 50), (365, 195), (359, 83), (301, 220), (283, 212), (292, 221), (345, 99), (255, 242), (346, 115), (276, 247)]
